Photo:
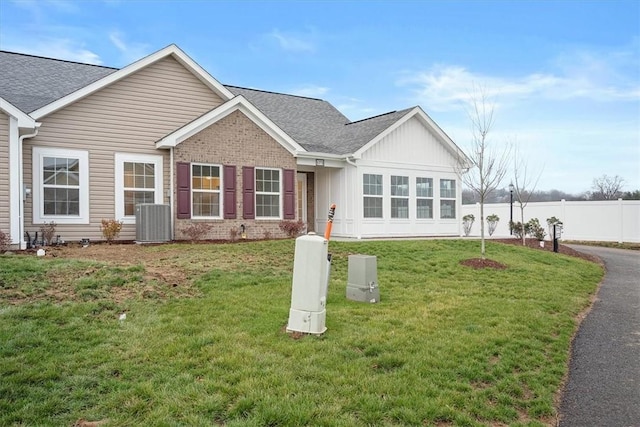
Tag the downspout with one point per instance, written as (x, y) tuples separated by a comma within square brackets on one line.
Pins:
[(357, 200), (21, 189), (171, 198)]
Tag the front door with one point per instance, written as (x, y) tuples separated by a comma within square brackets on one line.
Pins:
[(302, 199)]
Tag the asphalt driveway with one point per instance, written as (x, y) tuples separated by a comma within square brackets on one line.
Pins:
[(604, 373)]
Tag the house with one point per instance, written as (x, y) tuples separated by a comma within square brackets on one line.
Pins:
[(80, 143)]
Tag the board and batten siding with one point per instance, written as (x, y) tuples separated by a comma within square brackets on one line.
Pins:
[(5, 201), (128, 116), (412, 143), (411, 150)]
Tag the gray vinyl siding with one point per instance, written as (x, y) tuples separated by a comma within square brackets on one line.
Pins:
[(128, 116), (4, 173)]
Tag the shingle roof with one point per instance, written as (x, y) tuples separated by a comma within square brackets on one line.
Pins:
[(30, 82), (312, 123), (315, 124)]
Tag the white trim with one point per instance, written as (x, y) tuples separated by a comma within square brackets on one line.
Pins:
[(239, 103), (38, 207), (220, 190), (302, 178), (427, 121), (120, 159), (15, 184), (171, 50), (24, 120)]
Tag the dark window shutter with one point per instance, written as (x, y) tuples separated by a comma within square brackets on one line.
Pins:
[(248, 200), (289, 194), (229, 177), (183, 174)]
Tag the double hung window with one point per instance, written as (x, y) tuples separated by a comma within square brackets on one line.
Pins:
[(205, 190), (447, 199), (268, 191), (424, 198), (60, 186), (372, 190), (399, 196), (138, 180)]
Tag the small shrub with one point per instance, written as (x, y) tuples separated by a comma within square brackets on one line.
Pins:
[(291, 228), (266, 235), (111, 229), (467, 223), (519, 229), (197, 230), (535, 230), (48, 230), (5, 241), (492, 223)]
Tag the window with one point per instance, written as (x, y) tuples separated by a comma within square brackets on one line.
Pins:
[(372, 190), (424, 198), (60, 186), (267, 193), (138, 180), (205, 190), (399, 196), (447, 191)]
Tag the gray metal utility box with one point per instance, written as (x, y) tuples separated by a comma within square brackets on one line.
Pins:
[(362, 283)]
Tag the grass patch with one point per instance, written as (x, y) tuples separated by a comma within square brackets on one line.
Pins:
[(446, 345)]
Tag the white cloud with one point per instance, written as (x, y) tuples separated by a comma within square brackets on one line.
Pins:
[(311, 91), (69, 50), (292, 42), (579, 75), (130, 51)]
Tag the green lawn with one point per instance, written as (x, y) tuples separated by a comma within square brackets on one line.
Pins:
[(447, 345)]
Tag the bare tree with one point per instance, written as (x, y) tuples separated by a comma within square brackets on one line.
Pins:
[(607, 188), (524, 186), (488, 164)]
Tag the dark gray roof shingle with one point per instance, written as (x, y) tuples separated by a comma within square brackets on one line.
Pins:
[(30, 82), (315, 124), (312, 123)]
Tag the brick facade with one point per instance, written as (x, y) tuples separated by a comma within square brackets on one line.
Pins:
[(234, 140)]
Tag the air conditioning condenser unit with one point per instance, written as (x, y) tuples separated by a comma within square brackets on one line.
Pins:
[(153, 223)]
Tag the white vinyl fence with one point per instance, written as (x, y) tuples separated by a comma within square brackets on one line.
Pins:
[(606, 221)]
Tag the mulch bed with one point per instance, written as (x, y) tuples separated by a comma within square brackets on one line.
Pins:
[(478, 263)]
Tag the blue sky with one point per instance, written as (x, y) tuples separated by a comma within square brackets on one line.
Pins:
[(564, 75)]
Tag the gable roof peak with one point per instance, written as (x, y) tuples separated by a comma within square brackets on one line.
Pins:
[(171, 50)]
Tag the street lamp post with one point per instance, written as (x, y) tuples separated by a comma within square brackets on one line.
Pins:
[(511, 208)]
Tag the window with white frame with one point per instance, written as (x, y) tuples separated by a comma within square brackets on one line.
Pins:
[(205, 190), (60, 186), (372, 191), (268, 191), (424, 198), (138, 180), (399, 196), (447, 199)]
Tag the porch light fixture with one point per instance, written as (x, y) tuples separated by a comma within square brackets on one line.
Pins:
[(319, 162)]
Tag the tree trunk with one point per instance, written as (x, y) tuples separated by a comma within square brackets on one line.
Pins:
[(524, 235), (482, 245)]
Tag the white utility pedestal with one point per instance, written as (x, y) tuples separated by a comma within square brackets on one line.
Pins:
[(310, 283)]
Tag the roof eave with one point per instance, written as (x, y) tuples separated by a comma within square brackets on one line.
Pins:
[(24, 120)]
